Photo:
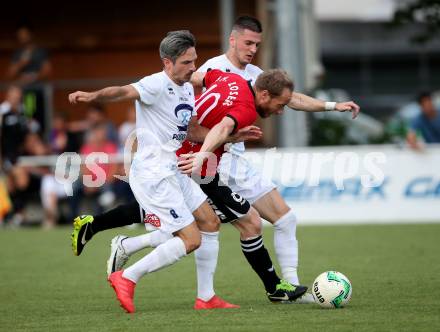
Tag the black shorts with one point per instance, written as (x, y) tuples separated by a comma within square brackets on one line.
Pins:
[(228, 205)]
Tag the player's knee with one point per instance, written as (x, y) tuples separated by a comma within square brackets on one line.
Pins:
[(193, 244), (286, 222), (212, 224), (249, 225), (255, 223)]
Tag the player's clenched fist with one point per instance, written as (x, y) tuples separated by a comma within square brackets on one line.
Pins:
[(81, 97)]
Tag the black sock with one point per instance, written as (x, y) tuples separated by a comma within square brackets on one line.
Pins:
[(258, 257), (121, 215)]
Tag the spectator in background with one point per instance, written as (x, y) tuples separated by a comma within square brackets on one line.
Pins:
[(25, 181), (13, 127), (95, 116), (30, 63), (127, 127), (97, 141), (29, 67), (426, 125), (13, 131), (61, 139)]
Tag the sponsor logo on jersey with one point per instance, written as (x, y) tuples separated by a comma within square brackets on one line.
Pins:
[(152, 219), (183, 114)]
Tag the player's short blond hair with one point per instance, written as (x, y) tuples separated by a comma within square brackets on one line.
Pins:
[(274, 81)]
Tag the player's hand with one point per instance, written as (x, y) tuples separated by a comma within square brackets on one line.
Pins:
[(191, 162), (249, 133), (348, 106), (81, 97)]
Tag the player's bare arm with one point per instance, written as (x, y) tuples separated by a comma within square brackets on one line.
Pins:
[(197, 133), (302, 102), (217, 136), (106, 95), (197, 80)]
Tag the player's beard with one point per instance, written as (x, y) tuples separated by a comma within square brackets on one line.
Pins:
[(261, 112)]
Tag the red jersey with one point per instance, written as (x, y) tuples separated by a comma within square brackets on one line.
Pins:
[(226, 94)]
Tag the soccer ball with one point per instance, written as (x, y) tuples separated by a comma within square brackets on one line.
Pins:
[(331, 289)]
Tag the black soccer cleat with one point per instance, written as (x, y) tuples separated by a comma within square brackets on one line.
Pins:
[(82, 233), (286, 292)]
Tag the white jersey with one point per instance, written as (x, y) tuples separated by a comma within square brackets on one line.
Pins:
[(162, 116), (249, 73)]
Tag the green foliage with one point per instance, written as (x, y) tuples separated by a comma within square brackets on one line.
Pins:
[(424, 12)]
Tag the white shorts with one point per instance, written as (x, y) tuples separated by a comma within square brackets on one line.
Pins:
[(237, 173), (169, 201)]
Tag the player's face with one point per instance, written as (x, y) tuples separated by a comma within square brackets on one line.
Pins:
[(244, 45), (182, 69), (267, 105)]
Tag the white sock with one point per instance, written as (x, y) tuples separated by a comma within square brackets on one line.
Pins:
[(148, 240), (165, 254), (206, 263), (286, 246)]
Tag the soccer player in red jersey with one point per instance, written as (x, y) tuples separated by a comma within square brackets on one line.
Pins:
[(228, 104)]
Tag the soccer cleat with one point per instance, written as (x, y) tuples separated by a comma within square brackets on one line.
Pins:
[(307, 298), (81, 234), (286, 292), (118, 257), (214, 303), (124, 290)]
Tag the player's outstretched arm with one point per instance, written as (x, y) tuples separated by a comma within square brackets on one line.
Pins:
[(217, 136), (106, 95), (302, 102)]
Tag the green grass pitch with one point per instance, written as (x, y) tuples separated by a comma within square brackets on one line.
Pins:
[(394, 270)]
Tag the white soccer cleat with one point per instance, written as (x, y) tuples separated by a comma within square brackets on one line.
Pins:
[(307, 298), (118, 257)]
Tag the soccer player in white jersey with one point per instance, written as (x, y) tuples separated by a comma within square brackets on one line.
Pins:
[(164, 106)]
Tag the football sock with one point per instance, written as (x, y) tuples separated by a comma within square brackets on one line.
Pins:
[(165, 254), (148, 240), (258, 257), (122, 215), (206, 262), (286, 246)]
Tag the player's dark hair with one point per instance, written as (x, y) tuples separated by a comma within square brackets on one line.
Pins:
[(247, 22), (274, 81), (175, 44)]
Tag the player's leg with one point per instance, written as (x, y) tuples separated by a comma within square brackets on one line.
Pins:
[(273, 208), (231, 207), (262, 194), (206, 255), (253, 249), (163, 199), (86, 226), (124, 282), (258, 257)]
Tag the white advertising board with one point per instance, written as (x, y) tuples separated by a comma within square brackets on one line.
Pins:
[(355, 184)]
